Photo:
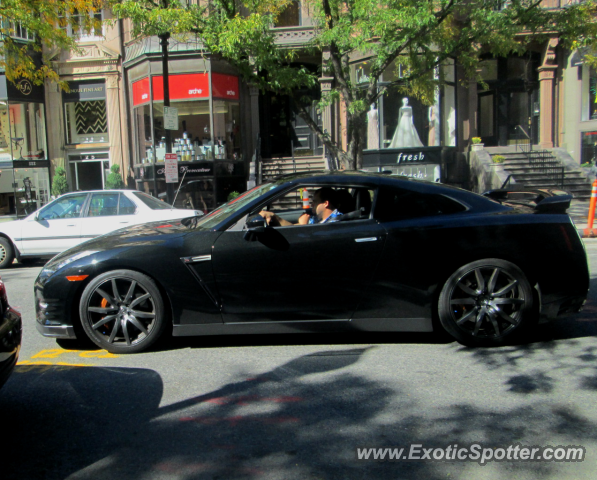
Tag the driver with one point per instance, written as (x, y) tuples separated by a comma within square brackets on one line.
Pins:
[(325, 211)]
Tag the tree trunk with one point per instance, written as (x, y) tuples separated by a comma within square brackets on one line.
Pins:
[(355, 139)]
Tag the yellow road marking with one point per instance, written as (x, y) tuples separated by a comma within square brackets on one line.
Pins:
[(56, 352)]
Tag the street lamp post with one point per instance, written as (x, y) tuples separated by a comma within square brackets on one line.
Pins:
[(165, 75)]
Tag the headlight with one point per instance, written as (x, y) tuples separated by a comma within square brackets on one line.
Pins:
[(48, 271)]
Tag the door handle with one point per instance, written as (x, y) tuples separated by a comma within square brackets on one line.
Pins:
[(366, 239)]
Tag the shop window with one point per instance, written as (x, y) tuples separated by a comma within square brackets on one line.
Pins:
[(407, 123), (588, 152), (397, 121), (86, 122), (23, 131), (142, 126), (589, 109), (227, 129)]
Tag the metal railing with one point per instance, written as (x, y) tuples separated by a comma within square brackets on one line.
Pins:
[(524, 144), (542, 161), (548, 165)]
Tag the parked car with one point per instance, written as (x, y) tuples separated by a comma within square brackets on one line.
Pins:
[(75, 217), (10, 336), (406, 255)]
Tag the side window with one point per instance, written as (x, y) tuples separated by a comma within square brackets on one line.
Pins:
[(103, 205), (65, 207), (125, 206), (345, 203), (400, 204)]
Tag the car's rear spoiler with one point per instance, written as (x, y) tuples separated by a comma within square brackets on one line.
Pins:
[(542, 200), (555, 204)]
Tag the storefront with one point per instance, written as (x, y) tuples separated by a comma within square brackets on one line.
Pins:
[(208, 139), (404, 136), (24, 166), (87, 136)]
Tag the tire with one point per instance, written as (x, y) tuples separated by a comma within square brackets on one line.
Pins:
[(7, 252), (486, 302), (122, 311)]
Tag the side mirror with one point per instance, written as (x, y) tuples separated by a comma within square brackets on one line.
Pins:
[(255, 226)]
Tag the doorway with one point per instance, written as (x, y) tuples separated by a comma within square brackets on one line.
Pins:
[(89, 174), (506, 108)]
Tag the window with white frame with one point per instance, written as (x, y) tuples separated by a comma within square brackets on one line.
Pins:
[(85, 26), (17, 31)]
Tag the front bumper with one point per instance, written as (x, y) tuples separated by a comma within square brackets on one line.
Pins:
[(51, 315), (56, 331)]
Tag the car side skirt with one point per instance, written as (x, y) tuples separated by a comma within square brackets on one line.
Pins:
[(310, 326)]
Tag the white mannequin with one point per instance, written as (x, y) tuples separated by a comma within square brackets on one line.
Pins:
[(406, 134), (372, 128)]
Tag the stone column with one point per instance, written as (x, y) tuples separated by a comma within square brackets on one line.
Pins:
[(547, 72), (54, 124), (114, 123)]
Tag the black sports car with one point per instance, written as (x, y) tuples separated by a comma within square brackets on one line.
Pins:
[(10, 336), (405, 255)]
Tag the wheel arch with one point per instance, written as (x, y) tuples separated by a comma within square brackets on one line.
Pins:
[(450, 267), (17, 252), (76, 317)]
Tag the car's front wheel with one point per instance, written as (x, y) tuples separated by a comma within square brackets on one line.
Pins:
[(486, 302), (7, 252), (122, 311)]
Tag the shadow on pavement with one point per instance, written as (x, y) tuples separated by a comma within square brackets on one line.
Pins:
[(300, 420)]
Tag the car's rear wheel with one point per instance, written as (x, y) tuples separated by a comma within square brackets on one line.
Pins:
[(7, 252), (486, 302), (122, 311)]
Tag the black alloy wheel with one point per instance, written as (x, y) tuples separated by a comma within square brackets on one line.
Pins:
[(485, 302), (122, 311)]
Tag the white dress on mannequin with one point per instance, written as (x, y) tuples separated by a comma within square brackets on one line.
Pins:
[(406, 134), (372, 128)]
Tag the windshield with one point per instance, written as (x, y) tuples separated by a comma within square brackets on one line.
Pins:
[(152, 202), (233, 206)]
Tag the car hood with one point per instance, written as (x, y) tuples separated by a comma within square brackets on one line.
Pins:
[(159, 232)]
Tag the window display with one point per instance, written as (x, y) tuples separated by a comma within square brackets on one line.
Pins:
[(24, 125), (588, 147), (406, 134), (85, 113), (589, 97)]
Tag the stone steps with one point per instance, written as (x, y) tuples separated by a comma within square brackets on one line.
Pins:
[(530, 176)]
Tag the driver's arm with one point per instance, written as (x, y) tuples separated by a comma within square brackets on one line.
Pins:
[(273, 220)]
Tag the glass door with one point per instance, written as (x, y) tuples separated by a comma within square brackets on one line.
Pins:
[(486, 121)]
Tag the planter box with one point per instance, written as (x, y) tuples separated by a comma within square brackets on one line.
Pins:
[(475, 147)]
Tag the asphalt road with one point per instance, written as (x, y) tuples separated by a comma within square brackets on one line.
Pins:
[(297, 407)]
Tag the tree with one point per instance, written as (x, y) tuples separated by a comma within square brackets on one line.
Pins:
[(46, 24), (59, 183), (413, 36), (114, 180)]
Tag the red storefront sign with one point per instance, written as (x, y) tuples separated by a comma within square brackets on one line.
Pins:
[(182, 87), (141, 93), (224, 86), (186, 87)]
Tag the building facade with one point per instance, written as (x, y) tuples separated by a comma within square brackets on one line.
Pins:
[(114, 113)]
